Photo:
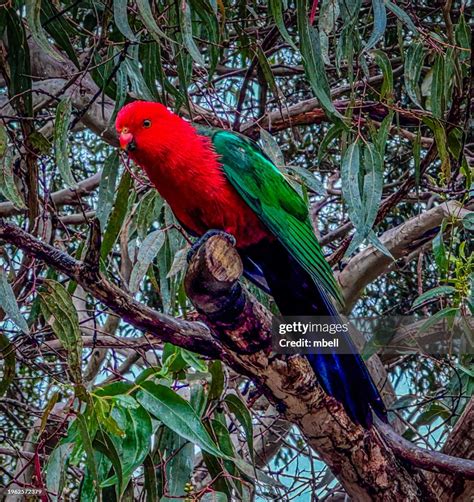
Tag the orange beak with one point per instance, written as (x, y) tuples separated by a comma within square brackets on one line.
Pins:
[(127, 142)]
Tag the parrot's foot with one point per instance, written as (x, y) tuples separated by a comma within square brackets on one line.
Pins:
[(210, 233)]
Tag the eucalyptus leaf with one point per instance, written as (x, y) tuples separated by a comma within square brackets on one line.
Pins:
[(177, 414), (9, 304), (61, 141), (148, 251)]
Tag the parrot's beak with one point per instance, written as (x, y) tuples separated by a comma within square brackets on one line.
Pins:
[(127, 142)]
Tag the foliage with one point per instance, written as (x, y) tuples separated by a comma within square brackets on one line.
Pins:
[(363, 106)]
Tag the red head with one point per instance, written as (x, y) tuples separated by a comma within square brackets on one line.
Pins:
[(161, 142), (142, 124)]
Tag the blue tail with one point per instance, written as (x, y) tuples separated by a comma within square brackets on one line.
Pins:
[(343, 376)]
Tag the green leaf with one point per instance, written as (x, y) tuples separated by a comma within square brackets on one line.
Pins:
[(147, 212), (104, 443), (468, 222), (414, 59), (309, 179), (7, 180), (384, 64), (121, 83), (9, 304), (333, 132), (441, 144), (313, 62), (446, 313), (117, 216), (402, 16), (177, 414), (3, 141), (350, 169), (135, 445), (327, 18), (363, 207), (380, 23), (121, 19), (148, 250), (218, 380), (33, 15), (276, 10), (149, 472), (433, 293), (59, 28), (198, 398), (242, 414), (193, 360), (88, 491), (383, 133), (439, 252), (149, 22), (437, 87), (178, 458), (90, 458), (60, 313), (153, 71), (253, 473), (113, 389), (463, 37), (7, 350), (373, 184), (132, 68), (179, 262), (267, 70), (18, 59), (214, 497), (186, 25), (56, 470), (61, 141), (272, 148), (108, 182)]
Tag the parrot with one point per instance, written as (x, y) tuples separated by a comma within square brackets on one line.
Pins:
[(216, 180)]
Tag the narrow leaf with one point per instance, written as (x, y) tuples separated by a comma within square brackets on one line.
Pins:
[(242, 414), (402, 16), (117, 216), (60, 313), (187, 34), (276, 10), (148, 250), (61, 142), (380, 23), (313, 61), (433, 293), (108, 182), (7, 350), (9, 304), (413, 64), (33, 15), (121, 19)]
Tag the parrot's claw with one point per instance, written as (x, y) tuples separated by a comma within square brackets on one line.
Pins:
[(210, 233)]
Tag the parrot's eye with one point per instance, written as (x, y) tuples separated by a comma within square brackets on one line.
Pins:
[(147, 123)]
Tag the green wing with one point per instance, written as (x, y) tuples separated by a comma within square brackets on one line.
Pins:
[(276, 203)]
